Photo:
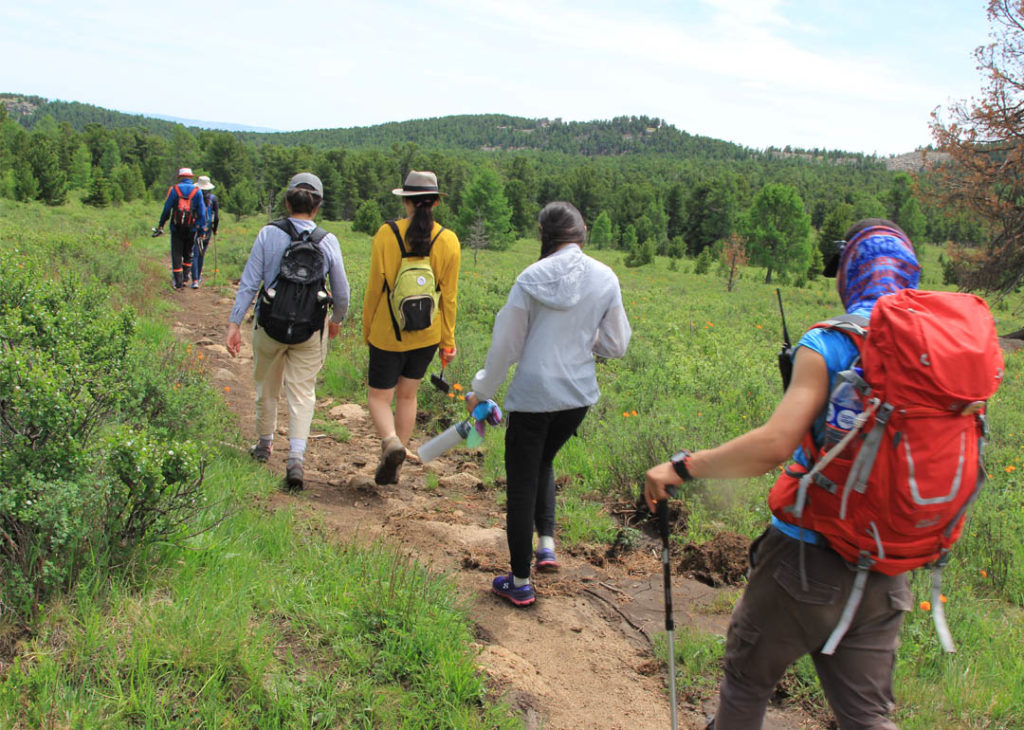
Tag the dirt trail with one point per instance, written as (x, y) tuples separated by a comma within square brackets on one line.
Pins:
[(580, 657)]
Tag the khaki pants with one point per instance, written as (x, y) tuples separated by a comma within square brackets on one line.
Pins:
[(294, 366), (777, 621)]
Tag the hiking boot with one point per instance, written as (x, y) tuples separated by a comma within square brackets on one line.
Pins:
[(504, 586), (391, 458), (261, 452), (545, 560), (293, 476)]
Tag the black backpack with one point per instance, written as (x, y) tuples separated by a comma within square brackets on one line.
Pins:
[(295, 305)]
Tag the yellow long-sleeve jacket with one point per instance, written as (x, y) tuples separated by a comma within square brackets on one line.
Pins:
[(385, 260)]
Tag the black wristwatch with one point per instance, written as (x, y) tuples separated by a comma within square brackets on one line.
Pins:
[(679, 464)]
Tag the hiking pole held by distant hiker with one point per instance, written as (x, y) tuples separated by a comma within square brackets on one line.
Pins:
[(786, 353), (669, 622)]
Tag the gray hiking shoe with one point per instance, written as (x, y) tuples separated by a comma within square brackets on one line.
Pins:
[(261, 452), (293, 476), (391, 458)]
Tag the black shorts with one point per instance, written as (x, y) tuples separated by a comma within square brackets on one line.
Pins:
[(386, 366)]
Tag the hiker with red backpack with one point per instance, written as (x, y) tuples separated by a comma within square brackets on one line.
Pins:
[(185, 208), (884, 416), (287, 273)]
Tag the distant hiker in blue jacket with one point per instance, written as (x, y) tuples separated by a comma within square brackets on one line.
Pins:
[(185, 208), (212, 205)]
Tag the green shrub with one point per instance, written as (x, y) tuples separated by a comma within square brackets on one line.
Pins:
[(93, 455)]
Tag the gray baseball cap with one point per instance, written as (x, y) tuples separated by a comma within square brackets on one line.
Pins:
[(308, 179)]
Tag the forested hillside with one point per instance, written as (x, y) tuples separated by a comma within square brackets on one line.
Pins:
[(643, 185)]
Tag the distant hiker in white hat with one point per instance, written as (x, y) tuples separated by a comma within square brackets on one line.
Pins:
[(212, 223), (407, 317), (296, 268), (185, 208)]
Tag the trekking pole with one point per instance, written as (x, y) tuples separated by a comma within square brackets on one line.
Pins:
[(669, 623), (216, 266)]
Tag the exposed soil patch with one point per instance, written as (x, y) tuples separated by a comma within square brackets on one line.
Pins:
[(581, 656), (721, 561)]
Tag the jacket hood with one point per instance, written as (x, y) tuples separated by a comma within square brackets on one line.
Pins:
[(557, 280)]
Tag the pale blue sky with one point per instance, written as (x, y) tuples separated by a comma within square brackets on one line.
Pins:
[(858, 75)]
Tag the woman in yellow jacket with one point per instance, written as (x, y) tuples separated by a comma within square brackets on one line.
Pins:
[(399, 357)]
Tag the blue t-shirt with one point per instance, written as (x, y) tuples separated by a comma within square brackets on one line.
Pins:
[(839, 352)]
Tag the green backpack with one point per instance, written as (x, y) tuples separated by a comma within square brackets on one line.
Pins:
[(414, 299)]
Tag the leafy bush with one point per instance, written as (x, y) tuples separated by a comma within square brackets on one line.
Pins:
[(75, 483)]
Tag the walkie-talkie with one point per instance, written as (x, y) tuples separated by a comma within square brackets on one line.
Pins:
[(786, 353)]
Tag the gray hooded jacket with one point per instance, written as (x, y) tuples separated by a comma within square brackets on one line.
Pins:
[(562, 310)]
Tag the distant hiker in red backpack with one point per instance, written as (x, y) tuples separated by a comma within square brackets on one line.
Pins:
[(885, 411), (187, 213)]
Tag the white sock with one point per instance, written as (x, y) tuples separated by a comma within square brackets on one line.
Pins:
[(297, 449), (518, 582), (545, 542), (267, 440)]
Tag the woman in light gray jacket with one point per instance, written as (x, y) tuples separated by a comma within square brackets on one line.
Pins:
[(562, 311)]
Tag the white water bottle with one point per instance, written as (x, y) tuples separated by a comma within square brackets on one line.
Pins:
[(450, 437)]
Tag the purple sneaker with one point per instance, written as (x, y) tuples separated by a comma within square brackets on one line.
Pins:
[(504, 587), (545, 560)]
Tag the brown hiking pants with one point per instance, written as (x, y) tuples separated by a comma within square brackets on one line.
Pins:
[(776, 622)]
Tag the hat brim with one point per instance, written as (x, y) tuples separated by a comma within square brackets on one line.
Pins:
[(207, 186), (402, 193)]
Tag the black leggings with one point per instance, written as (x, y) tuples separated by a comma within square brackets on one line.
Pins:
[(531, 442)]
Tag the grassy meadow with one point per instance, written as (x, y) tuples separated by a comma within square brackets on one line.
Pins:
[(302, 652)]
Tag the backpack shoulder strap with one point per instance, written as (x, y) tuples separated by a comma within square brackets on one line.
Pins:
[(285, 225), (431, 244), (398, 237), (854, 325), (317, 234)]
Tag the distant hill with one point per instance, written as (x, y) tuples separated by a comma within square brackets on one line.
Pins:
[(485, 132), (28, 109)]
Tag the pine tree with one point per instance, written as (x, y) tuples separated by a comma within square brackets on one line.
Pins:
[(484, 199), (99, 191), (368, 218), (601, 233), (778, 230)]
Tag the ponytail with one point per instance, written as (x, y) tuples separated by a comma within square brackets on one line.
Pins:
[(421, 227)]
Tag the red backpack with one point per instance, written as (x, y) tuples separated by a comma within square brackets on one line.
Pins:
[(893, 493), (182, 214)]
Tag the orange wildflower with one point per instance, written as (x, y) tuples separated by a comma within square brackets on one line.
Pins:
[(625, 414), (942, 598), (926, 606), (457, 386), (635, 413), (227, 388), (983, 573)]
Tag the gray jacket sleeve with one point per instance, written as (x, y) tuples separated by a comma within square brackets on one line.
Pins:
[(614, 332), (340, 292)]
